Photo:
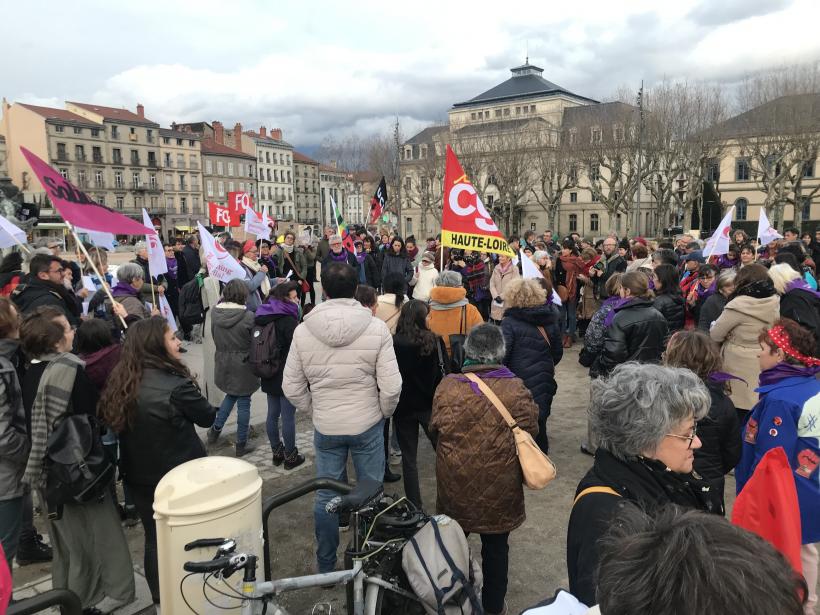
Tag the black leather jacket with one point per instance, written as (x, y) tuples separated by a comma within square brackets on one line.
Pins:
[(672, 308), (638, 333), (162, 435)]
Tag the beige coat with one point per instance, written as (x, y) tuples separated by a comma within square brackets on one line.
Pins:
[(387, 312), (499, 281), (737, 330)]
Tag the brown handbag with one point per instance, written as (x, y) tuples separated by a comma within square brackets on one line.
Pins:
[(538, 469)]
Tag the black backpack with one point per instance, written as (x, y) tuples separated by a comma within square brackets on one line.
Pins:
[(77, 468), (265, 356), (191, 309)]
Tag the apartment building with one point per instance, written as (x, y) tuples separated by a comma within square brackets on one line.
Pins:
[(181, 161), (226, 170), (306, 189), (274, 158)]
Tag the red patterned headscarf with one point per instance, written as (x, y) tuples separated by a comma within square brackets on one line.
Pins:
[(780, 337)]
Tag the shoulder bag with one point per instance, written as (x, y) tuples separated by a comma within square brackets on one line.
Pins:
[(538, 469), (457, 343)]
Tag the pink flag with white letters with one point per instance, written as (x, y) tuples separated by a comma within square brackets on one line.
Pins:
[(221, 265)]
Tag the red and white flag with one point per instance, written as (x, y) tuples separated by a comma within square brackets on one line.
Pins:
[(221, 265), (257, 224), (766, 233), (157, 264), (719, 242)]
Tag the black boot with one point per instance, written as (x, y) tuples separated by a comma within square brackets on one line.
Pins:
[(279, 454), (293, 459), (33, 551), (390, 476), (243, 448), (213, 435)]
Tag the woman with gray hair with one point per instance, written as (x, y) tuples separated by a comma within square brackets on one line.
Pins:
[(450, 312), (475, 443), (644, 417), (130, 280)]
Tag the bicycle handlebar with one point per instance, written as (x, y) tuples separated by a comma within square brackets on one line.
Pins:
[(227, 564)]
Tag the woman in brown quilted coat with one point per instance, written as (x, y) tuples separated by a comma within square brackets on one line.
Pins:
[(477, 471)]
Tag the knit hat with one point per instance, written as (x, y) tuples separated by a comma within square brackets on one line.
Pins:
[(247, 246), (640, 240), (428, 256)]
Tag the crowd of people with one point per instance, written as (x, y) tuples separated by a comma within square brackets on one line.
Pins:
[(699, 364)]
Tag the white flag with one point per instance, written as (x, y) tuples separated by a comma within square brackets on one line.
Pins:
[(529, 270), (165, 310), (766, 233), (10, 234), (718, 243), (221, 265), (156, 254), (256, 224), (99, 239)]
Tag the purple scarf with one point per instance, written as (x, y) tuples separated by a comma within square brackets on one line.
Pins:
[(801, 284), (620, 303), (704, 294), (499, 372), (360, 256), (124, 290), (781, 371), (722, 377), (274, 307), (726, 263), (339, 258), (172, 265)]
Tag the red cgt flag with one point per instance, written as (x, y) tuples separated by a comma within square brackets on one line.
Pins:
[(768, 506), (222, 216)]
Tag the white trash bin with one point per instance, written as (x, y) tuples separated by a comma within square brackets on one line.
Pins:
[(212, 497)]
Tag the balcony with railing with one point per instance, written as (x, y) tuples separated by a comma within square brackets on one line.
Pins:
[(169, 164), (138, 186), (195, 187), (117, 159), (62, 155), (97, 158), (169, 185), (194, 165), (99, 185), (152, 161), (135, 160), (180, 164), (115, 135), (79, 157)]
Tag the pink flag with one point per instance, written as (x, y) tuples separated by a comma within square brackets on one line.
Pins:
[(718, 243), (76, 207), (221, 265), (157, 264)]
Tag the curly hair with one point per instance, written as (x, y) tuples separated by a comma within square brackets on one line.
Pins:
[(144, 348), (413, 325), (523, 293)]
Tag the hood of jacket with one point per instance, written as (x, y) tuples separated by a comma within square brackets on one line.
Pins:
[(8, 348), (541, 315), (98, 365), (447, 294), (760, 309), (337, 322), (228, 314)]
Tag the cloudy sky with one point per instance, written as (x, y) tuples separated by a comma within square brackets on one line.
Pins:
[(332, 68)]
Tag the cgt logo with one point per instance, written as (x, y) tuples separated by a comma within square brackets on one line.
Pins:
[(222, 216), (464, 201)]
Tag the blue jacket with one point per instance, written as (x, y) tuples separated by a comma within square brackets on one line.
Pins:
[(788, 415), (527, 354)]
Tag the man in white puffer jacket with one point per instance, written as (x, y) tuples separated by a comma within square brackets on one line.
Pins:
[(341, 367)]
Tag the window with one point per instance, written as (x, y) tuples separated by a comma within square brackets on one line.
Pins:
[(209, 187), (78, 131), (808, 169), (115, 132), (230, 169), (190, 142), (118, 180), (98, 179), (573, 136), (506, 111), (594, 198), (181, 181), (618, 133), (596, 135), (81, 179), (518, 110), (117, 155), (220, 167), (498, 112), (290, 194), (152, 181), (532, 108), (64, 173), (179, 141), (230, 187), (713, 171), (281, 159), (490, 200), (472, 115), (275, 175), (180, 161), (593, 222), (268, 170), (408, 182), (267, 157), (742, 171), (133, 130), (136, 179), (594, 173), (240, 169), (58, 128), (135, 157), (169, 203), (573, 222), (183, 205), (209, 167), (221, 186), (573, 197), (169, 181), (241, 186), (120, 202), (166, 140), (289, 178), (195, 204), (95, 132), (805, 209), (62, 154), (741, 206)]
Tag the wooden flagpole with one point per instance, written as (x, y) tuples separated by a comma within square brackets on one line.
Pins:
[(97, 271), (25, 249)]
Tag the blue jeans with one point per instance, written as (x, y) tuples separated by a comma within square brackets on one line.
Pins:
[(243, 415), (570, 316), (278, 405), (367, 450)]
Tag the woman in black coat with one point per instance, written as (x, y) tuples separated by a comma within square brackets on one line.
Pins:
[(635, 331), (532, 339), (798, 301), (421, 356), (718, 431), (397, 261), (281, 309), (668, 297), (712, 308), (370, 269)]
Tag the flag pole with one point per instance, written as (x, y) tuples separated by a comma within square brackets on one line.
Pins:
[(97, 271), (153, 296), (25, 249)]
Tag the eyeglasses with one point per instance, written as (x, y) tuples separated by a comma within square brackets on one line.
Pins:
[(59, 270), (691, 437)]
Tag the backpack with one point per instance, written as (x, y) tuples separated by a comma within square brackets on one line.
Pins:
[(265, 356), (457, 341), (77, 468), (443, 574), (191, 308)]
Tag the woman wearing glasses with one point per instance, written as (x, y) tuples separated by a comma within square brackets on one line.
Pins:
[(644, 417)]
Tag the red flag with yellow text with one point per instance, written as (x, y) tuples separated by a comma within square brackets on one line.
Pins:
[(465, 223)]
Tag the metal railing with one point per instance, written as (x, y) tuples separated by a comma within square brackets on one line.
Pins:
[(64, 598)]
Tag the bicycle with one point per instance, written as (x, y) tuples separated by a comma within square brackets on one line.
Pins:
[(376, 583)]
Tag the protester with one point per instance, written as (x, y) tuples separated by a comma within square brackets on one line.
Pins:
[(282, 311), (99, 351), (747, 255), (753, 305), (424, 277), (567, 269), (503, 273), (91, 556), (644, 417), (588, 302), (700, 291), (798, 301), (640, 259), (369, 271), (153, 402), (190, 254), (594, 337), (290, 261), (420, 356), (151, 287), (719, 430), (450, 313), (532, 338), (397, 261), (634, 330), (713, 306), (371, 250), (342, 369), (256, 275), (11, 273), (323, 249), (44, 287), (310, 272), (668, 298), (610, 263), (338, 254), (476, 276), (209, 293), (127, 293), (389, 304), (232, 326), (474, 443), (170, 279)]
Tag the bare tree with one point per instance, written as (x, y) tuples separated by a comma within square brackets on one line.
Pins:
[(424, 184), (555, 170)]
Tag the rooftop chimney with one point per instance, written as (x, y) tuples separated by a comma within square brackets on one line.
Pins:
[(237, 136), (263, 132), (140, 110), (276, 133), (219, 133)]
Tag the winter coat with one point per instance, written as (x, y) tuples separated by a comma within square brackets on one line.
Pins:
[(594, 336), (285, 325), (420, 375), (387, 311), (498, 282), (162, 435), (646, 483), (478, 474), (425, 280), (672, 306), (349, 257), (34, 292), (445, 318), (134, 306), (372, 271), (528, 355), (254, 281), (98, 365), (786, 416), (736, 330), (232, 326), (711, 310), (209, 292), (803, 307), (192, 261), (342, 368), (615, 264), (567, 269), (396, 263), (638, 333), (14, 439), (719, 433), (638, 264), (298, 259)]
